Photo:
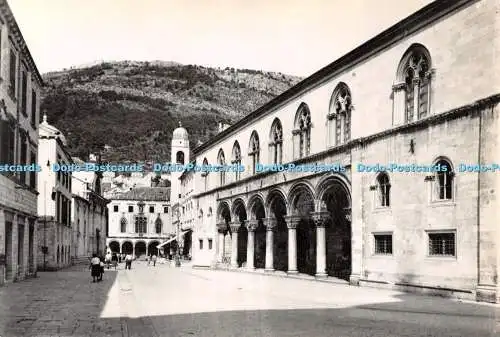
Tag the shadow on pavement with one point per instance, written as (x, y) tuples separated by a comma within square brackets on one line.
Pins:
[(67, 303), (62, 303)]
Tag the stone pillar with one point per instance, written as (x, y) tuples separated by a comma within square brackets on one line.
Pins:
[(355, 216), (25, 253), (14, 247), (251, 227), (292, 222), (416, 98), (320, 219), (398, 108), (235, 226), (221, 228), (121, 247), (2, 246), (270, 226), (35, 245)]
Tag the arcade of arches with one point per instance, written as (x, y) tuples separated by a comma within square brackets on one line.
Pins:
[(135, 247), (306, 231)]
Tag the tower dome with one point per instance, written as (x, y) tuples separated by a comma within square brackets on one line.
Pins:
[(180, 133), (47, 130)]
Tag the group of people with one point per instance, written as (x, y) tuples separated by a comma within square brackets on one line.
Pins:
[(98, 264)]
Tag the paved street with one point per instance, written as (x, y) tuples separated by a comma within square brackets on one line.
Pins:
[(165, 301)]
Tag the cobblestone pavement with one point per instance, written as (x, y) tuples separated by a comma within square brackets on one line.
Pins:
[(168, 301)]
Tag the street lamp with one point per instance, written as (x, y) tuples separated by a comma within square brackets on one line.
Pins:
[(177, 248)]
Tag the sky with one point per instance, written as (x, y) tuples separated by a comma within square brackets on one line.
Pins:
[(296, 37)]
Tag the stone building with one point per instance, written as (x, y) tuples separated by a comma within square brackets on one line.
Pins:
[(54, 200), (20, 87), (89, 214), (139, 220), (424, 92)]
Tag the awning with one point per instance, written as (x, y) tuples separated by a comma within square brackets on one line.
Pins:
[(172, 239)]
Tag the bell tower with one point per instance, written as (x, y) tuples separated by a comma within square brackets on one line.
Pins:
[(179, 155)]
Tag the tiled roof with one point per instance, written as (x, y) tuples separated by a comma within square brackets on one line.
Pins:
[(145, 193)]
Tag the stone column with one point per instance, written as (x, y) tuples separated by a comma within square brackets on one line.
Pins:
[(416, 97), (221, 228), (25, 253), (2, 245), (235, 226), (398, 108), (292, 222), (35, 245), (355, 216), (320, 219), (14, 247), (251, 227), (270, 226)]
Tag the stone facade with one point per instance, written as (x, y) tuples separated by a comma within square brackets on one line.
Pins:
[(54, 201), (20, 84), (139, 220), (418, 94), (89, 220)]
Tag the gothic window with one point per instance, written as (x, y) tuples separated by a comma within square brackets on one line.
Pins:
[(123, 225), (254, 150), (222, 161), (415, 79), (302, 132), (141, 224), (339, 116), (205, 174), (158, 225), (443, 181), (384, 189), (276, 142), (236, 160)]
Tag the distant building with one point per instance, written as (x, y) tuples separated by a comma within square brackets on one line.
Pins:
[(20, 88), (54, 200), (139, 220)]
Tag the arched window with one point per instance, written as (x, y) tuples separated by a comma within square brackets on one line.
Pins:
[(254, 150), (123, 225), (205, 174), (414, 75), (179, 157), (236, 160), (443, 181), (158, 225), (276, 142), (209, 213), (339, 116), (302, 132), (221, 160), (384, 190)]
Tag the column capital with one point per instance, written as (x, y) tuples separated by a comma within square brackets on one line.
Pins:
[(235, 226), (292, 221), (320, 218), (251, 224), (270, 223), (221, 227), (399, 86)]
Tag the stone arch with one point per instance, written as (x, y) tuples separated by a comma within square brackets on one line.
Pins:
[(414, 48), (223, 212), (326, 180), (256, 202), (277, 208), (334, 196), (443, 183), (114, 246), (127, 247), (298, 191), (152, 247), (140, 248), (238, 208)]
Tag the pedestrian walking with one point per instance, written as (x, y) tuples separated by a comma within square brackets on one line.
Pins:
[(107, 259), (95, 266), (114, 260), (154, 260), (128, 261), (101, 270)]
